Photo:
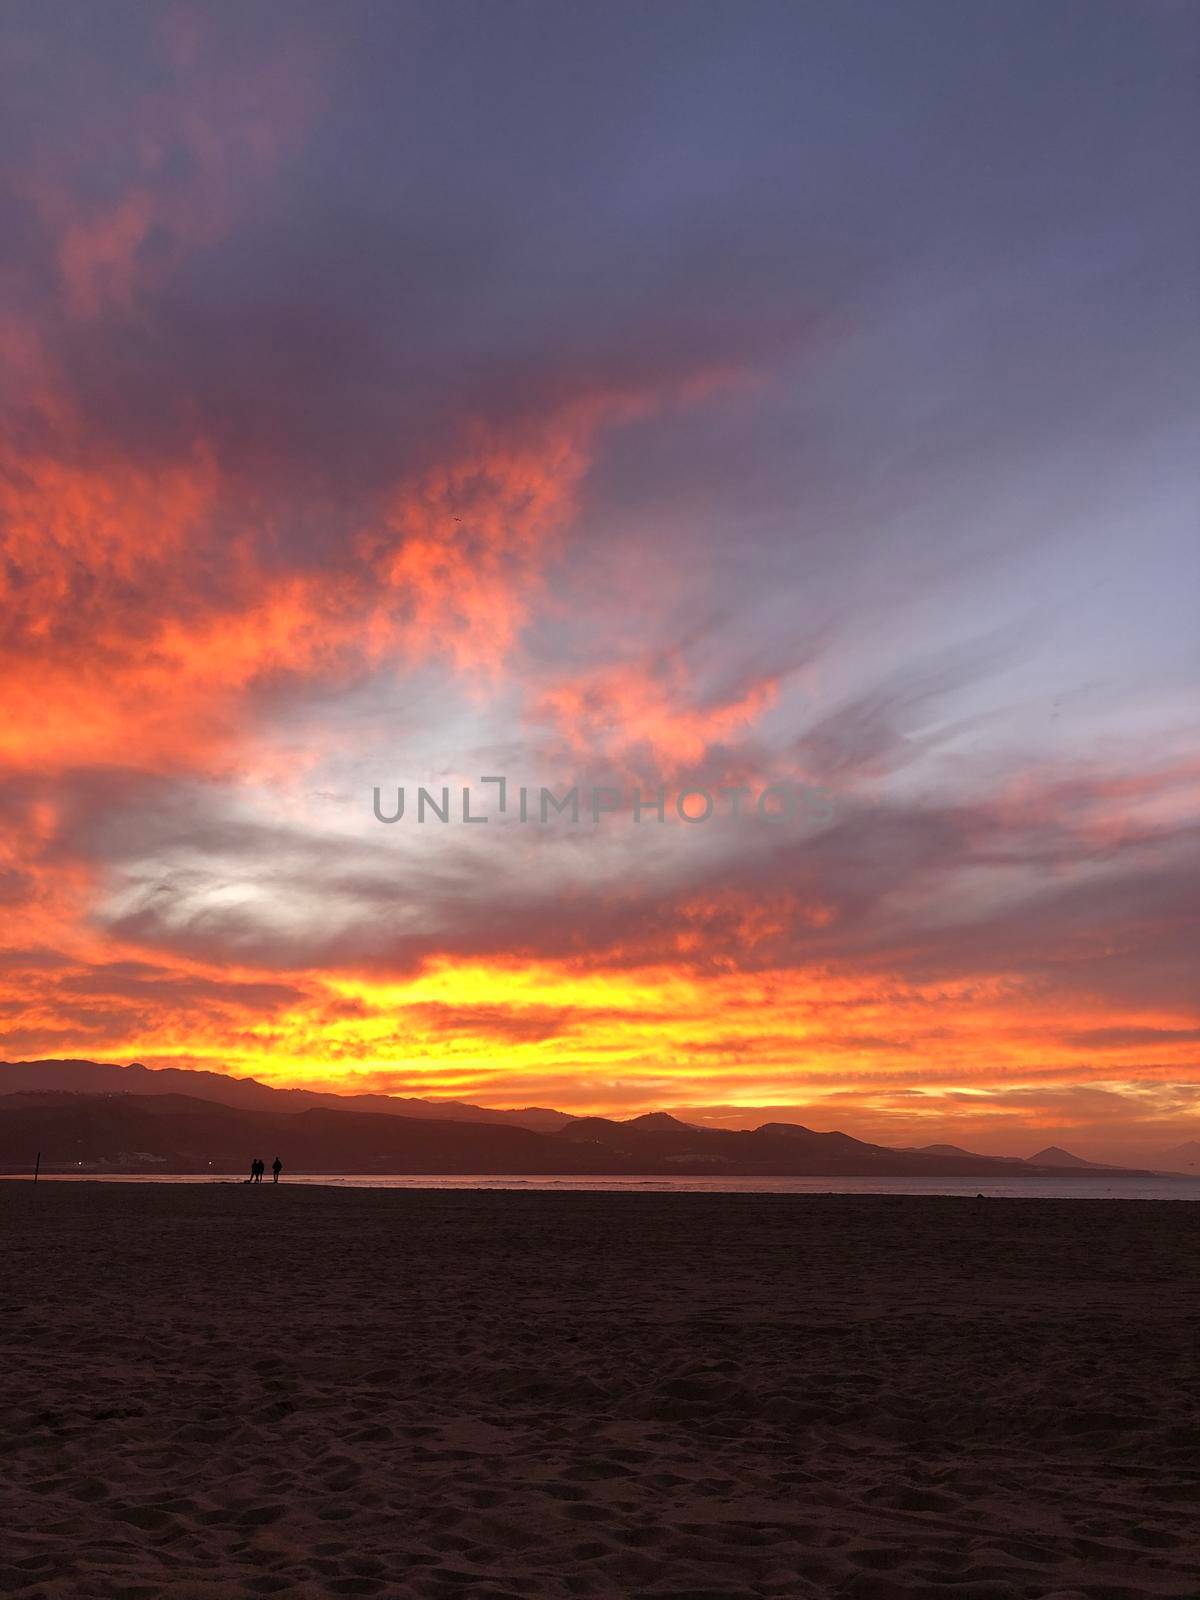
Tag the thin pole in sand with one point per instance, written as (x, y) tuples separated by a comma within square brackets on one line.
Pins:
[(37, 1166)]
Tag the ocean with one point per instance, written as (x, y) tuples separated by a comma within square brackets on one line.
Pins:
[(1074, 1187)]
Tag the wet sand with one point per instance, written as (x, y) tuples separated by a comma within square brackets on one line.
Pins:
[(229, 1391)]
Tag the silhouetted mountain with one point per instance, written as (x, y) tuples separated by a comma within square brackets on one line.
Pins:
[(956, 1150), (595, 1130), (172, 1133), (93, 1077), (659, 1122), (161, 1131), (1054, 1156)]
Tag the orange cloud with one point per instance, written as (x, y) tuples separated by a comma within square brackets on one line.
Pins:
[(652, 704)]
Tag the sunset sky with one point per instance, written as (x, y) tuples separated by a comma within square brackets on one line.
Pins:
[(687, 394)]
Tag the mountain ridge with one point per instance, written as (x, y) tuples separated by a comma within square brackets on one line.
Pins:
[(117, 1131), (80, 1076)]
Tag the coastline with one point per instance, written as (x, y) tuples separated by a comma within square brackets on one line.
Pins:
[(1067, 1185)]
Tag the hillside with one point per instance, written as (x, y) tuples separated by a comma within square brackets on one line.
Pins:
[(1054, 1156), (173, 1119), (106, 1077), (170, 1133), (175, 1134)]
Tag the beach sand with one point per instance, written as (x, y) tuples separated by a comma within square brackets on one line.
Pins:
[(233, 1391)]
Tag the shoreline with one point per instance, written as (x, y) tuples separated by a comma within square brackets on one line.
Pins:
[(1158, 1187)]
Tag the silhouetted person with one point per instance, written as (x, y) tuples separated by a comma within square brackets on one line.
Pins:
[(276, 1168), (258, 1169), (254, 1171)]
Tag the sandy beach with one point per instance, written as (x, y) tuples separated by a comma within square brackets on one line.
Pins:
[(223, 1391)]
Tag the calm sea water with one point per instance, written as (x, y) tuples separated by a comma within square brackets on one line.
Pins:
[(1091, 1187)]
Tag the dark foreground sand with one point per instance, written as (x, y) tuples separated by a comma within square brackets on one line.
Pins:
[(230, 1391)]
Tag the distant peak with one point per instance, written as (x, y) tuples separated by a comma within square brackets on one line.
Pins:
[(649, 1120), (1055, 1156)]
